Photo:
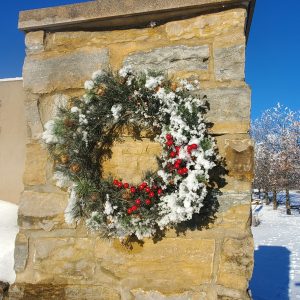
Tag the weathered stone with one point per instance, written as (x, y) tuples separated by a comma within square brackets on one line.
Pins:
[(228, 105), (154, 295), (207, 25), (68, 70), (173, 58), (229, 200), (42, 210), (34, 41), (229, 63), (192, 267), (48, 291), (33, 120), (239, 158), (48, 106), (131, 159), (21, 252), (236, 263), (35, 165), (64, 257)]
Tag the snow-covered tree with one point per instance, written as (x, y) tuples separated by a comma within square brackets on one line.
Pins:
[(277, 151)]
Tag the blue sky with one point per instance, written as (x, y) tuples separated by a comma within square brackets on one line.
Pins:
[(272, 64)]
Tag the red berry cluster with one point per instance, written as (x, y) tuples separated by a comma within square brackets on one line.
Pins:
[(142, 191), (180, 165)]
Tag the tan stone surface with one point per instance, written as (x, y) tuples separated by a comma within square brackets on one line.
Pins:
[(35, 165), (34, 41), (115, 14), (131, 159), (212, 261), (236, 263), (41, 210)]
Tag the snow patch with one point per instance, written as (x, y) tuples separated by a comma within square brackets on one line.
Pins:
[(8, 231)]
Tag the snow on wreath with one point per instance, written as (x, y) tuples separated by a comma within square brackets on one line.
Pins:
[(80, 137)]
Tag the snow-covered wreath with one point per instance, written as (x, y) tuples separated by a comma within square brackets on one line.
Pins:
[(80, 137)]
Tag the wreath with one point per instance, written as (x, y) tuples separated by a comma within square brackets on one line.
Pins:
[(84, 129)]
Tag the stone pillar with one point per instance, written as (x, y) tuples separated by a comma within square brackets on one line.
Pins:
[(202, 40)]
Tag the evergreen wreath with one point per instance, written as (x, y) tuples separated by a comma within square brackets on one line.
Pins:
[(81, 134)]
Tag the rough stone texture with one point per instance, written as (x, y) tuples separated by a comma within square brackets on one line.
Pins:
[(41, 210), (176, 58), (35, 165), (131, 159), (213, 257), (229, 109), (21, 252), (236, 263), (229, 63), (105, 14), (34, 41), (48, 74)]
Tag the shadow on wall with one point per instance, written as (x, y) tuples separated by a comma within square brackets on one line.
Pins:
[(270, 279)]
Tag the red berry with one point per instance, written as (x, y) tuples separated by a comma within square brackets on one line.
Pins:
[(169, 136), (132, 189), (184, 170), (120, 185), (173, 154), (177, 149), (159, 191), (129, 211), (144, 184), (134, 208), (189, 148), (115, 182), (194, 146), (138, 201), (176, 166), (178, 161), (147, 189), (179, 171), (148, 201), (169, 143), (126, 185), (141, 187), (151, 194)]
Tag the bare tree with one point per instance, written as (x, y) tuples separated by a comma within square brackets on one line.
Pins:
[(277, 151)]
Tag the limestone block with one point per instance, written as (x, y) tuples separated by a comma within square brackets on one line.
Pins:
[(193, 264), (229, 109), (33, 120), (131, 159), (229, 63), (34, 41), (236, 263), (43, 74), (236, 219), (206, 26), (154, 295), (47, 291), (239, 158), (65, 257), (35, 165), (42, 210), (21, 252), (48, 106), (173, 58)]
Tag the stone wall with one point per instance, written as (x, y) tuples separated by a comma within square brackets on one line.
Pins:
[(212, 261)]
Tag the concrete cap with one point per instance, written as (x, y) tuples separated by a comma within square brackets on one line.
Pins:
[(113, 14)]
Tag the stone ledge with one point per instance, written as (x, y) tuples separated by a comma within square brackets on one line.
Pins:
[(114, 14)]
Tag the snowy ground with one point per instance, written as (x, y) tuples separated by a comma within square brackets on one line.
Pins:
[(8, 231), (277, 253)]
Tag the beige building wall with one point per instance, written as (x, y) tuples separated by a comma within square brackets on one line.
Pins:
[(12, 138)]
